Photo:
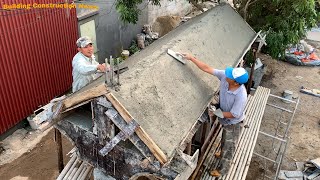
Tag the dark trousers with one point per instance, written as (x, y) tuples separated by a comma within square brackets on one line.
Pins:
[(230, 136)]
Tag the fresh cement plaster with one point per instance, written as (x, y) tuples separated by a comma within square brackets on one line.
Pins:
[(166, 97)]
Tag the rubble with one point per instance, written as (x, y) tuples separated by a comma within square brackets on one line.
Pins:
[(309, 170)]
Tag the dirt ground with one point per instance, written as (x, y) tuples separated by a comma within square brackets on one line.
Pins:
[(304, 136), (39, 163)]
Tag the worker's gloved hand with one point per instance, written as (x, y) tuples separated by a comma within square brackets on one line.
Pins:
[(218, 113), (101, 67), (211, 109)]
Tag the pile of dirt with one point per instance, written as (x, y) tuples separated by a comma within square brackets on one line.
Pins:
[(165, 24), (20, 142), (39, 162)]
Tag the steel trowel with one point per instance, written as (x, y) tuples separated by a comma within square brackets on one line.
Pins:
[(176, 56)]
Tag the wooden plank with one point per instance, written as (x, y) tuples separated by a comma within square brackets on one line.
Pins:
[(255, 140), (249, 146), (91, 93), (241, 161), (202, 159), (115, 117), (74, 107), (189, 148), (156, 151), (122, 111), (204, 132), (254, 116), (250, 113), (209, 160), (209, 137), (154, 148)]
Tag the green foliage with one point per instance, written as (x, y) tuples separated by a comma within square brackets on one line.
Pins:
[(285, 20), (129, 11), (249, 58), (133, 47), (118, 59)]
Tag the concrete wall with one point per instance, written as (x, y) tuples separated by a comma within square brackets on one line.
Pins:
[(168, 7), (111, 33)]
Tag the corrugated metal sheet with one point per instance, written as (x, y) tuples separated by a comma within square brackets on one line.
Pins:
[(37, 47)]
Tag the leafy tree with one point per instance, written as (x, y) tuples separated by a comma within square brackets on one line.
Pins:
[(285, 20), (129, 11)]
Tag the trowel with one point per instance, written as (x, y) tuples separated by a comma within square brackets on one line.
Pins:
[(176, 56)]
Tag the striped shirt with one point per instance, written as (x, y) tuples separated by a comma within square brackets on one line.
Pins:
[(231, 101)]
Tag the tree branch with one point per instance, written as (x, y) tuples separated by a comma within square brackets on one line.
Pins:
[(196, 5), (245, 10), (253, 2)]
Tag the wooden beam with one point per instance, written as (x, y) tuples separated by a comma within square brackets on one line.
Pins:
[(189, 148), (204, 132), (116, 118), (203, 157), (77, 98), (154, 148), (209, 137), (57, 137)]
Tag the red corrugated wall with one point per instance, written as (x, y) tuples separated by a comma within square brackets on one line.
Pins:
[(36, 50)]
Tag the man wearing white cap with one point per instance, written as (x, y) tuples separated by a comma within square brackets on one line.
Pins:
[(233, 99), (84, 65)]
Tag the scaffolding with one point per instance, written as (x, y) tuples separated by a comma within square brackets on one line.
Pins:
[(287, 109)]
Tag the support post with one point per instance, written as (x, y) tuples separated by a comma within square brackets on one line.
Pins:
[(252, 70), (58, 141), (204, 132), (105, 128), (189, 148)]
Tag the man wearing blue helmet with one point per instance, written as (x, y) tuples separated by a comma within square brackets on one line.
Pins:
[(233, 99)]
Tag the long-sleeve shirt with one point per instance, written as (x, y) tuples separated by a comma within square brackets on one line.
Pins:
[(83, 71), (231, 101)]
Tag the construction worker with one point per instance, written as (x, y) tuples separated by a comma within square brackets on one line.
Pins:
[(84, 65), (233, 99)]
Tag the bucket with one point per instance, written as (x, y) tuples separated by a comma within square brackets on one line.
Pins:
[(125, 54), (32, 123), (287, 95)]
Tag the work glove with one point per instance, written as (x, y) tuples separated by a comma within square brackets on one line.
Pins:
[(218, 113), (214, 111)]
